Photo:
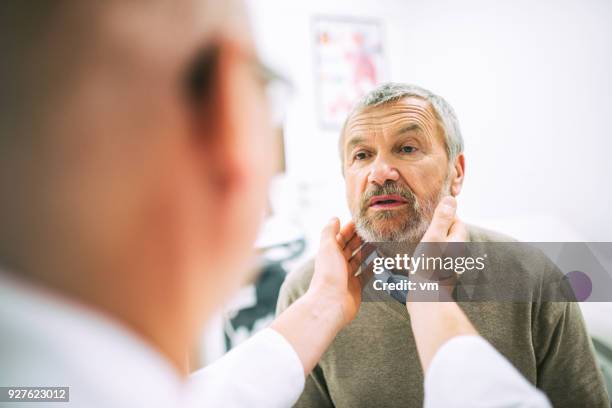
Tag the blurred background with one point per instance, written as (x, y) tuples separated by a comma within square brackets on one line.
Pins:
[(531, 84)]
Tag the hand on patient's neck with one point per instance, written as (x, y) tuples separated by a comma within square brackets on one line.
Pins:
[(332, 300), (435, 323)]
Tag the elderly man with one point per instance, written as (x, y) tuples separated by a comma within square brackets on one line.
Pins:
[(401, 152)]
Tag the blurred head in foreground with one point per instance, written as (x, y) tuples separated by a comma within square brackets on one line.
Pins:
[(401, 152), (133, 164)]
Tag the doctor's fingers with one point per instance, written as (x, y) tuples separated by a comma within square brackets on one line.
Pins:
[(346, 234), (458, 231), (330, 232), (441, 223), (354, 263), (354, 244)]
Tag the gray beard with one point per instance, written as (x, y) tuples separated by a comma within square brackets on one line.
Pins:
[(409, 229)]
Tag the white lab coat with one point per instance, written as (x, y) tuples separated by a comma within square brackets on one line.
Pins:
[(47, 340)]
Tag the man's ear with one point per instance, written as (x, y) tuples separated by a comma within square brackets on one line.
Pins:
[(457, 175)]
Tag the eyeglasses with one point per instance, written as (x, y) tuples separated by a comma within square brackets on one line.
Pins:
[(200, 76)]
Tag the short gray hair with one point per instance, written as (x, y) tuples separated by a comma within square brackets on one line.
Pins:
[(394, 91)]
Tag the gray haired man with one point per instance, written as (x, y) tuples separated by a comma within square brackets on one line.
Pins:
[(402, 151)]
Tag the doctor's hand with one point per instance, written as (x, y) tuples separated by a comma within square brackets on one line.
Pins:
[(445, 225), (435, 321), (444, 238), (334, 282), (311, 323)]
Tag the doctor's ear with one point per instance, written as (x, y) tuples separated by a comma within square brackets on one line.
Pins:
[(215, 105), (457, 173)]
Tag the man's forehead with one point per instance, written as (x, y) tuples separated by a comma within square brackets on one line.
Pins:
[(408, 108), (411, 111)]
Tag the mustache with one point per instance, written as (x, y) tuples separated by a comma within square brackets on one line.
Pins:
[(388, 188)]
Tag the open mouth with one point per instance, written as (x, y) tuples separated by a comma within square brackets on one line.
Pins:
[(385, 202)]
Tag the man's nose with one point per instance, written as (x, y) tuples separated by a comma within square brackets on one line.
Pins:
[(381, 172)]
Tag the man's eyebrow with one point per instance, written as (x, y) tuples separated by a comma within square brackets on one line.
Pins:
[(409, 128), (354, 141)]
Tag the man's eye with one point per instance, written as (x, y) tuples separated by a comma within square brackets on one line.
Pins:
[(360, 156), (408, 149)]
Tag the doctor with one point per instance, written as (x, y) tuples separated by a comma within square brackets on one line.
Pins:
[(134, 163)]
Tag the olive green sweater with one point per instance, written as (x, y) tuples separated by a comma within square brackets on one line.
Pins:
[(373, 362)]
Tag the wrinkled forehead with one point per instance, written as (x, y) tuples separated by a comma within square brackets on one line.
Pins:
[(389, 117)]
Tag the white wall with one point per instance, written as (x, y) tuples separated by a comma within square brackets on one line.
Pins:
[(532, 87)]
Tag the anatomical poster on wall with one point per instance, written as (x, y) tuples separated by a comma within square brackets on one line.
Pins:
[(349, 62)]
